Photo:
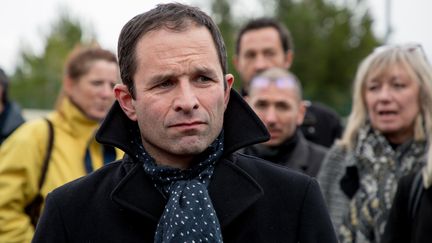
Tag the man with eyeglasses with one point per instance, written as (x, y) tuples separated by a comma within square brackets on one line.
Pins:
[(264, 43), (276, 96)]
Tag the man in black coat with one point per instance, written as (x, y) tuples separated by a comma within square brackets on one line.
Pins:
[(264, 43), (179, 123), (276, 97)]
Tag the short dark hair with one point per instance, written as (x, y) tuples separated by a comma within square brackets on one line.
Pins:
[(260, 23), (172, 16)]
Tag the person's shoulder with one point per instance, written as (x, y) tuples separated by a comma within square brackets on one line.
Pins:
[(338, 151), (37, 128), (316, 148), (101, 181), (266, 171), (320, 110)]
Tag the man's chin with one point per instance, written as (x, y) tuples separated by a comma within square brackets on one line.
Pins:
[(272, 143)]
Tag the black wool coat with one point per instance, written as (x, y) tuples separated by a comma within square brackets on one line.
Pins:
[(301, 155), (404, 226), (255, 201)]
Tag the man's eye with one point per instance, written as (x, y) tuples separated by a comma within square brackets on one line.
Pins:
[(269, 53), (260, 105), (203, 79), (165, 84), (283, 107), (250, 55)]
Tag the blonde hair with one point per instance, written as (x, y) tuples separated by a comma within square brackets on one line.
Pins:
[(413, 59)]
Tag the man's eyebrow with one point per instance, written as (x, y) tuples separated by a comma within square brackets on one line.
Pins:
[(205, 71), (160, 77)]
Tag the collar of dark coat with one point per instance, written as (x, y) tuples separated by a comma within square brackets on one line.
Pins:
[(242, 127), (231, 189)]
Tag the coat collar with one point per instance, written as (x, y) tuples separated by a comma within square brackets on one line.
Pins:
[(75, 122), (231, 189), (242, 127)]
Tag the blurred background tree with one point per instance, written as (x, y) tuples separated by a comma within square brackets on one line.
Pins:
[(331, 37), (37, 78), (330, 40)]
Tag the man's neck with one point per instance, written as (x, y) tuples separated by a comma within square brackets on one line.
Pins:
[(172, 160)]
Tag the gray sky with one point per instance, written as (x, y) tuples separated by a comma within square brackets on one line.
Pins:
[(25, 22)]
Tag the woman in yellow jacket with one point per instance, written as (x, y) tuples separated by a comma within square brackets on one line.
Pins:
[(90, 74)]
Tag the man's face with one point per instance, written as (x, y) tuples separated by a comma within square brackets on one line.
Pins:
[(180, 96), (280, 108), (259, 50)]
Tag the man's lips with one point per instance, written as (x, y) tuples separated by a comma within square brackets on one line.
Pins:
[(274, 133), (187, 124)]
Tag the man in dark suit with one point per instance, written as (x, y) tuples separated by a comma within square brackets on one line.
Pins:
[(179, 123), (264, 43), (276, 96)]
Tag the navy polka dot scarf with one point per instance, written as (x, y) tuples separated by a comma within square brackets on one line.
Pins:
[(189, 215)]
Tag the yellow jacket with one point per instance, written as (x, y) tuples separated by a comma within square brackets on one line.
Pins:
[(21, 158)]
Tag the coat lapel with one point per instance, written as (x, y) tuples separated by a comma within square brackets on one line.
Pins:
[(136, 192), (232, 191), (299, 156)]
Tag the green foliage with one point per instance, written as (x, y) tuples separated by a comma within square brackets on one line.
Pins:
[(37, 79), (222, 15), (330, 41)]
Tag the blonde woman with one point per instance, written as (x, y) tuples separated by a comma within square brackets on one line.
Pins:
[(385, 139)]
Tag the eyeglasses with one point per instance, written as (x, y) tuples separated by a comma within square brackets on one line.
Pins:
[(408, 47), (283, 82)]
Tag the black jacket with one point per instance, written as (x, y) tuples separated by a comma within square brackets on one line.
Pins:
[(321, 124), (403, 225), (10, 119), (255, 201), (296, 153)]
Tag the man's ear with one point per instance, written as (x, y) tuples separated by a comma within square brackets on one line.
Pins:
[(289, 57), (229, 79), (301, 112), (126, 101)]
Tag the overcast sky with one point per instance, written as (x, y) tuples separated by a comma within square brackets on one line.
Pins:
[(25, 22)]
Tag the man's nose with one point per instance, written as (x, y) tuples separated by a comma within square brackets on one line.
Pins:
[(270, 116), (260, 64), (185, 98)]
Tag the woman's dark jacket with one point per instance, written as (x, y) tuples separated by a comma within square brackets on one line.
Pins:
[(10, 119), (255, 201)]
